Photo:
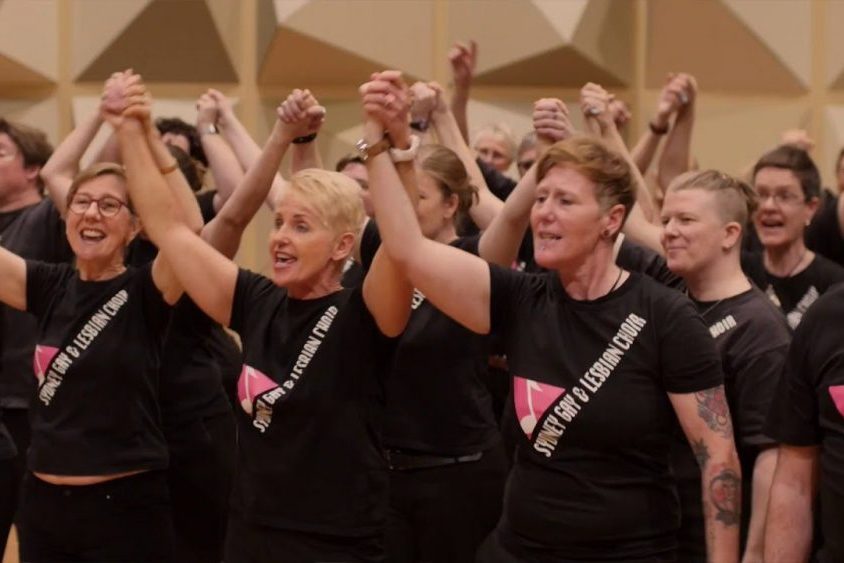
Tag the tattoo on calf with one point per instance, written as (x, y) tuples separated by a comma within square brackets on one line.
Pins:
[(725, 495), (712, 408), (701, 452)]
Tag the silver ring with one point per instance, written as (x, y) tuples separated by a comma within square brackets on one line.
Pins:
[(593, 111)]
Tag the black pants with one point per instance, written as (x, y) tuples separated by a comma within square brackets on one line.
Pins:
[(12, 470), (251, 543), (442, 514), (122, 520), (202, 459)]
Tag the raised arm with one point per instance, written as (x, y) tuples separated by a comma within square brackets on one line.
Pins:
[(295, 117), (500, 243), (446, 127), (666, 106), (12, 280), (788, 527), (463, 58), (224, 166), (705, 419), (304, 153), (456, 282), (676, 155), (59, 171)]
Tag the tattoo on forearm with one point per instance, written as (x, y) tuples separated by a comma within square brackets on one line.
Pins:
[(725, 495), (712, 408), (701, 452)]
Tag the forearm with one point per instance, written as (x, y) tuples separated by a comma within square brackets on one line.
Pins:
[(224, 165), (459, 108), (245, 149), (676, 155), (186, 201), (788, 525), (303, 156), (721, 495), (763, 476), (500, 242), (645, 150), (643, 196)]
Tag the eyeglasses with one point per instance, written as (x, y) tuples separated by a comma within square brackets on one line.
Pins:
[(780, 198), (107, 206)]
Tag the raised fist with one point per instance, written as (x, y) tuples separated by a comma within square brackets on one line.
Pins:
[(463, 58), (551, 121), (300, 114)]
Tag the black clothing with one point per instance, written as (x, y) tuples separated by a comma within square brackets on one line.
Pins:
[(36, 232), (591, 478), (795, 294), (206, 205), (499, 184), (752, 338), (823, 235), (309, 449), (99, 343), (634, 257), (126, 519), (808, 410)]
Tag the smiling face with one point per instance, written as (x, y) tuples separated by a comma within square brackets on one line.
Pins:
[(94, 237), (567, 220), (694, 233), (783, 210), (304, 251)]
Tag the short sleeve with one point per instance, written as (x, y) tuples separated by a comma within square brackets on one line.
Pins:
[(509, 292), (636, 258), (54, 226), (756, 382), (156, 309), (794, 415), (823, 235), (251, 290), (688, 357), (42, 281)]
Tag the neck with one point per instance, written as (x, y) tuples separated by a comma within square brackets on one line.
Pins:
[(18, 199), (787, 260), (720, 280), (99, 271), (592, 276), (327, 282), (446, 234)]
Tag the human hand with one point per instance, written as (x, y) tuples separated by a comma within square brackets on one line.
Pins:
[(551, 121), (620, 112), (424, 102), (463, 58), (594, 103), (300, 115), (206, 112), (225, 112), (386, 101), (124, 95), (797, 138)]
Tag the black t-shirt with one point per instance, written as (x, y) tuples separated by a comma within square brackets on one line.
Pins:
[(752, 338), (437, 398), (591, 478), (199, 357), (795, 294), (97, 361), (808, 409), (637, 258), (823, 235), (7, 444), (309, 445), (36, 232), (206, 205)]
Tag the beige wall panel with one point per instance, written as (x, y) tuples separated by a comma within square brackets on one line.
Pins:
[(13, 72), (29, 35), (96, 24), (507, 31), (226, 16), (286, 8), (834, 39), (563, 16), (785, 28), (169, 41), (605, 36), (833, 143), (706, 39), (563, 67), (41, 113), (399, 37)]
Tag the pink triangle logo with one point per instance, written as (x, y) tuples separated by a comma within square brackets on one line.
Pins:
[(837, 394), (41, 360), (531, 399), (251, 384)]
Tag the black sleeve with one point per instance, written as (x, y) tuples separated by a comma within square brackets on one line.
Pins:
[(794, 415), (469, 244), (756, 382), (637, 258), (55, 232), (42, 280), (250, 292), (823, 235), (156, 309), (507, 291), (370, 240), (498, 183), (206, 205), (688, 358)]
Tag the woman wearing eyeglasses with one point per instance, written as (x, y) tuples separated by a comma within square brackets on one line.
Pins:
[(96, 490), (788, 185)]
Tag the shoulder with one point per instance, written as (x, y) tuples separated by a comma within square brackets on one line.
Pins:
[(827, 269), (824, 313), (763, 327)]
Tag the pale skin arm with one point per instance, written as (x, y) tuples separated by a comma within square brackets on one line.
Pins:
[(788, 528), (705, 420), (676, 155), (463, 57), (222, 161), (59, 171), (12, 280), (763, 477)]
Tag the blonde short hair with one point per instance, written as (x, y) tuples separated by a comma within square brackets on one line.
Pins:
[(334, 197), (503, 133), (736, 199)]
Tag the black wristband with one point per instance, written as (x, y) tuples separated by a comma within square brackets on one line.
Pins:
[(658, 130), (305, 139), (421, 125)]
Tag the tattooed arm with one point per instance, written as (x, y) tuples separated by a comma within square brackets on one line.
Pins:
[(788, 530), (705, 419)]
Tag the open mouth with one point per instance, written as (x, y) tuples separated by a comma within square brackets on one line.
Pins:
[(92, 235), (283, 260), (771, 222)]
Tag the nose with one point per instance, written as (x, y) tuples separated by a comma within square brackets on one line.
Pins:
[(93, 210)]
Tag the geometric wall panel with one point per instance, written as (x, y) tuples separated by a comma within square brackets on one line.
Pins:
[(324, 42), (834, 41), (834, 141), (42, 114), (731, 46), (164, 40), (569, 43), (28, 42)]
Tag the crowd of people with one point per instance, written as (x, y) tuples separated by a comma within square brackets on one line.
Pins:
[(617, 357)]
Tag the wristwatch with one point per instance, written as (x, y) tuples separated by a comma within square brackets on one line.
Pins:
[(367, 150), (408, 154), (211, 129)]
